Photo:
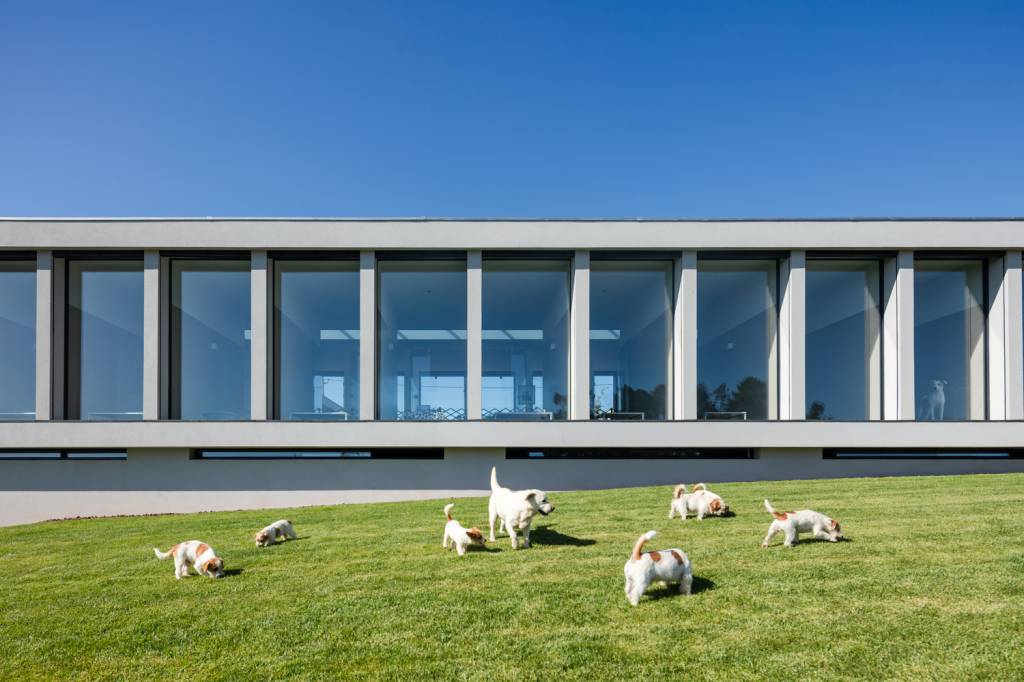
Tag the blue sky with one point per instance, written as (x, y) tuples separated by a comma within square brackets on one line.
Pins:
[(512, 109)]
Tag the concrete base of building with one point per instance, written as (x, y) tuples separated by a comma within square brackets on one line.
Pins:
[(159, 481)]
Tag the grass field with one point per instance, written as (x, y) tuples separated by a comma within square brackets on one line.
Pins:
[(929, 586)]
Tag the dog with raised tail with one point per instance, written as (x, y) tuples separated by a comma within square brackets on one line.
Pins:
[(791, 524), (457, 535), (196, 555), (515, 509), (670, 566), (699, 501)]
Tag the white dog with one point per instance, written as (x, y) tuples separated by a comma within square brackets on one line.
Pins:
[(459, 536), (933, 403), (275, 532), (668, 565), (803, 521), (515, 509), (700, 501), (193, 554)]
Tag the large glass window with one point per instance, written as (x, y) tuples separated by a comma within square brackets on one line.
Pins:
[(210, 339), (422, 322), (17, 339), (525, 339), (843, 347), (316, 306), (104, 339), (736, 339), (630, 338), (949, 339)]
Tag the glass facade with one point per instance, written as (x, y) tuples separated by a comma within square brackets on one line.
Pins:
[(736, 339), (525, 339), (210, 339), (422, 339), (630, 338), (316, 326), (949, 339), (18, 339), (104, 339), (843, 345)]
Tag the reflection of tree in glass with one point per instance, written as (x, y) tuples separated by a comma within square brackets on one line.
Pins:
[(817, 410), (750, 396)]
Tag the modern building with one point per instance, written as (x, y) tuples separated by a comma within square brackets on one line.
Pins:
[(177, 365)]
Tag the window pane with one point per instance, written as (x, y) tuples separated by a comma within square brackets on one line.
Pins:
[(317, 347), (949, 340), (210, 317), (525, 339), (18, 339), (736, 356), (630, 338), (104, 354), (843, 348), (422, 310)]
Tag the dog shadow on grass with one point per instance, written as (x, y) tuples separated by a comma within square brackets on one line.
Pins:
[(232, 572), (288, 541), (665, 591), (546, 535)]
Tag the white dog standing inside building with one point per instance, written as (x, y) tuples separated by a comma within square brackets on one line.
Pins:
[(933, 403), (515, 509)]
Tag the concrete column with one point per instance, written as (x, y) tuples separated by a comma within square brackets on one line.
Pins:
[(367, 335), (44, 330), (579, 338), (792, 337), (684, 339), (474, 334), (1013, 305), (898, 337), (258, 344), (995, 335), (151, 335)]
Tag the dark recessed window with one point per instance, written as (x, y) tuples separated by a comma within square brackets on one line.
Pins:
[(922, 453), (64, 454), (18, 339), (367, 453), (629, 453)]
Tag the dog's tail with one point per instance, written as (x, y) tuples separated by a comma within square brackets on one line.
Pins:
[(769, 507), (640, 542), (494, 479), (163, 555), (680, 491), (698, 486), (448, 511)]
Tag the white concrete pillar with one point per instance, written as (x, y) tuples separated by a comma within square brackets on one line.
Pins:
[(44, 331), (1013, 307), (579, 338), (898, 337), (684, 339), (792, 337), (474, 334), (995, 335), (151, 335), (367, 335), (258, 343)]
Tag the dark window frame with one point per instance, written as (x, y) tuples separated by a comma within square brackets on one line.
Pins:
[(64, 454), (267, 454), (894, 454), (562, 453)]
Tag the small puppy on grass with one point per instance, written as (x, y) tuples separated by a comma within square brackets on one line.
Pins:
[(461, 537), (193, 554), (803, 521), (668, 565), (699, 501), (515, 509), (275, 532)]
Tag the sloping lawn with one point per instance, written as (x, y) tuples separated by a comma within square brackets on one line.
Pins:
[(929, 586)]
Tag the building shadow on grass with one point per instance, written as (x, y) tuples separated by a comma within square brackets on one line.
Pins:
[(546, 535)]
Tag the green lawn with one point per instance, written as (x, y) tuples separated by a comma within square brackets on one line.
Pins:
[(929, 586)]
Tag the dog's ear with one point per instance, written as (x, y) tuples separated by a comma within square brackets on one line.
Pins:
[(531, 495)]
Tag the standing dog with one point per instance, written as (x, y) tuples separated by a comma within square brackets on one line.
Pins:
[(459, 536), (274, 532), (668, 565), (515, 509), (933, 403), (700, 501), (193, 554), (803, 521)]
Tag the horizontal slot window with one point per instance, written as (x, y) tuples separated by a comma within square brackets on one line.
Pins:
[(368, 453), (922, 453), (629, 453), (63, 454)]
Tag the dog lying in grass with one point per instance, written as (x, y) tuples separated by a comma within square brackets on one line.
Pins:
[(790, 524), (700, 501), (275, 532), (515, 509), (193, 554), (459, 536), (668, 565)]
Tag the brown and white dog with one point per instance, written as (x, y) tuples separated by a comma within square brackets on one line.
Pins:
[(275, 532), (699, 501), (790, 524), (193, 554), (515, 509), (461, 537), (668, 565)]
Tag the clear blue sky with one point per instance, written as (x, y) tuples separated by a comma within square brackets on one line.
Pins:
[(512, 109)]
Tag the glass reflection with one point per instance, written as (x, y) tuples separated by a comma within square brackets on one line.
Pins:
[(18, 339)]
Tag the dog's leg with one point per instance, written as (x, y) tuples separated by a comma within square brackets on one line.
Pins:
[(510, 529), (444, 539), (791, 535), (637, 590), (492, 516), (773, 530), (686, 584), (702, 510), (672, 510), (526, 535), (460, 548)]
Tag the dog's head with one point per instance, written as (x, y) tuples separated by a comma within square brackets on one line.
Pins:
[(538, 499), (262, 539), (475, 536), (835, 532), (214, 568), (937, 385), (718, 508)]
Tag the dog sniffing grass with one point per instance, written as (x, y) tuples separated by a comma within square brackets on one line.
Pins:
[(928, 585)]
